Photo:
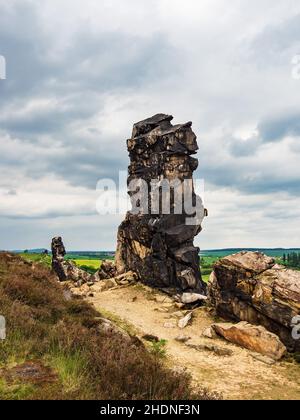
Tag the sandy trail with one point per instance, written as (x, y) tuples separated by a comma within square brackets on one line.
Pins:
[(237, 377)]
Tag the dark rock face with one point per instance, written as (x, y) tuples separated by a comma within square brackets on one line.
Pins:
[(58, 258), (250, 287), (157, 245)]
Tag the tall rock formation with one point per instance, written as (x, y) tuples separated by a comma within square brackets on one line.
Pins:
[(154, 243), (250, 287)]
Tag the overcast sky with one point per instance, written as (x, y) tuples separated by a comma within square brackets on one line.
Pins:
[(80, 73)]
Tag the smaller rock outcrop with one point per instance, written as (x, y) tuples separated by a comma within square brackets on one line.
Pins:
[(66, 270), (255, 338), (249, 286)]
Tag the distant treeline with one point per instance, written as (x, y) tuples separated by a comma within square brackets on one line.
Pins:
[(292, 259)]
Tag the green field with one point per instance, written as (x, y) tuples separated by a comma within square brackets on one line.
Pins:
[(206, 264), (91, 261), (221, 253), (89, 265), (85, 262), (38, 258)]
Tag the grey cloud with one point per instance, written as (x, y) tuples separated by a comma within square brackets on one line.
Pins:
[(240, 148), (276, 43), (252, 181), (278, 127)]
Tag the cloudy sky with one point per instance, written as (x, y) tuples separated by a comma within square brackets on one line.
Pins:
[(80, 73)]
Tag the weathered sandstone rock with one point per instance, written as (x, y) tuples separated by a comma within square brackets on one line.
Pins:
[(184, 322), (252, 337), (156, 245), (209, 333), (67, 270), (250, 287)]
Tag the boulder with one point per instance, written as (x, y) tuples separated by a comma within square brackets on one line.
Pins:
[(183, 322), (154, 243), (249, 286), (209, 333), (252, 337), (187, 298)]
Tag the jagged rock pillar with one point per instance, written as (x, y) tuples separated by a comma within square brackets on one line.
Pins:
[(58, 258), (154, 243)]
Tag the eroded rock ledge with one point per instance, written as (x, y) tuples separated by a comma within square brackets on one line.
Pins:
[(251, 287)]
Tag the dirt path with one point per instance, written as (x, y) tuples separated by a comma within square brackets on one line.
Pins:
[(239, 376)]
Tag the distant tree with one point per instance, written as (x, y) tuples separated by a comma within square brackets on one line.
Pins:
[(26, 251)]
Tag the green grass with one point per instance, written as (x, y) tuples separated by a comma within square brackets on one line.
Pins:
[(159, 348), (72, 369), (205, 278), (206, 265), (38, 258), (15, 391), (90, 266)]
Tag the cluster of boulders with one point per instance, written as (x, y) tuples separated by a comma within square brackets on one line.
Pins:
[(155, 244), (82, 283), (65, 269), (251, 287)]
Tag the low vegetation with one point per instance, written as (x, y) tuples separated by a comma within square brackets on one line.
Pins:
[(62, 335)]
